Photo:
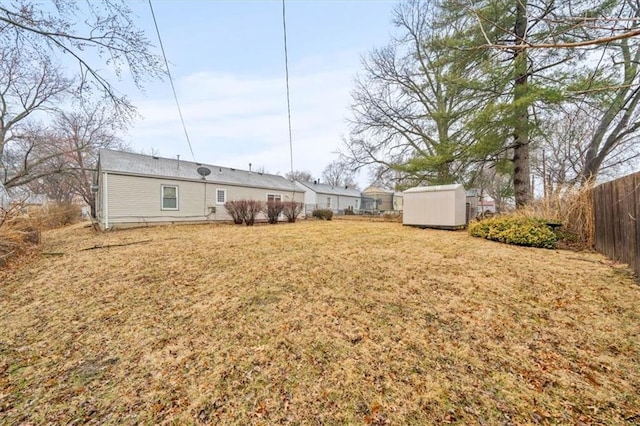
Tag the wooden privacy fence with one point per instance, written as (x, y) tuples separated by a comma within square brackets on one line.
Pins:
[(616, 207)]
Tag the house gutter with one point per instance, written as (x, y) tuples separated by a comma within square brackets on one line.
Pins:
[(105, 201)]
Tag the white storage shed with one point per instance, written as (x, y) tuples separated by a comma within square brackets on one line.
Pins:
[(441, 206)]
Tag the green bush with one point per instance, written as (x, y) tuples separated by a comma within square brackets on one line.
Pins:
[(517, 230), (324, 214)]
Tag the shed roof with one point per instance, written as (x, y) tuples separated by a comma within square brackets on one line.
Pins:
[(323, 188), (146, 165), (435, 188)]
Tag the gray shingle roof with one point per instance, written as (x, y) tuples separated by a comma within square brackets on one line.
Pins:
[(145, 165), (323, 188)]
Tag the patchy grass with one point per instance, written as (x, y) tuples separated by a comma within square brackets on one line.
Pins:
[(315, 322)]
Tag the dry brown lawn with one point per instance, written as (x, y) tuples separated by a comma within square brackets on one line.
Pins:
[(341, 322)]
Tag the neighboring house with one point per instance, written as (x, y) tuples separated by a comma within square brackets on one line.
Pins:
[(398, 201), (135, 189), (473, 200), (486, 205), (323, 196), (381, 200)]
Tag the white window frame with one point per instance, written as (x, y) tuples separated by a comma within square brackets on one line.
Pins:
[(274, 197), (162, 207), (328, 202), (224, 191)]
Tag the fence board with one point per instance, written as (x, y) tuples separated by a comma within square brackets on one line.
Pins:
[(616, 206)]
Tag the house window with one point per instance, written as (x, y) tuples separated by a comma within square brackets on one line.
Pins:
[(221, 196), (328, 202), (357, 201), (274, 198), (169, 197)]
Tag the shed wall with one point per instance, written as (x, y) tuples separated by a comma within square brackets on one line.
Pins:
[(435, 208)]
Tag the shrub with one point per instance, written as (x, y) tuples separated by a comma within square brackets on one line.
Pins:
[(17, 233), (235, 210), (573, 207), (243, 211), (292, 210), (323, 214), (56, 215), (517, 230), (272, 210), (253, 208)]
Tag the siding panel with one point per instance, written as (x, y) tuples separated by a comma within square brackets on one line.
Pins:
[(136, 199)]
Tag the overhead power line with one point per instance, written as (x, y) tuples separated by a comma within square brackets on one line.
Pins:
[(286, 73), (173, 87)]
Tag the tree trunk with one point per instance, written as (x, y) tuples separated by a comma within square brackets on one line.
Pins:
[(521, 172)]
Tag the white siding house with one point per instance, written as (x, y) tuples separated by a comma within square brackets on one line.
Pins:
[(323, 196), (135, 189)]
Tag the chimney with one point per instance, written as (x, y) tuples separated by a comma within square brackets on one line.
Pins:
[(178, 160)]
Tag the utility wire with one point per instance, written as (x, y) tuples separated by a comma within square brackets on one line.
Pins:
[(173, 87), (286, 73)]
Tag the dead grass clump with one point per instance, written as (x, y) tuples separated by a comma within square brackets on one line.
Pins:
[(573, 207), (17, 234), (392, 217), (56, 215)]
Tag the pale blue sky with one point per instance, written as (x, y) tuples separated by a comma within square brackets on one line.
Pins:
[(227, 61)]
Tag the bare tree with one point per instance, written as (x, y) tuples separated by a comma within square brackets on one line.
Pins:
[(82, 134), (299, 175), (338, 173), (418, 105), (94, 34), (28, 86), (32, 154)]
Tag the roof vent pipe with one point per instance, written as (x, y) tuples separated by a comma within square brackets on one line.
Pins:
[(178, 160), (249, 167)]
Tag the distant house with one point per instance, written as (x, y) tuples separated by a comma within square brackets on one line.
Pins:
[(323, 196), (134, 189), (379, 199), (486, 205)]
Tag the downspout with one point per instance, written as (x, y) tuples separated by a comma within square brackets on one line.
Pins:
[(105, 201)]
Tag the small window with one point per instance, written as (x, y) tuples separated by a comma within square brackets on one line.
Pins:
[(221, 196), (274, 198), (169, 197), (328, 202), (357, 201)]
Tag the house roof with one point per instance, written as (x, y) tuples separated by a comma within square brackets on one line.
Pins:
[(146, 165), (323, 188), (375, 189)]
